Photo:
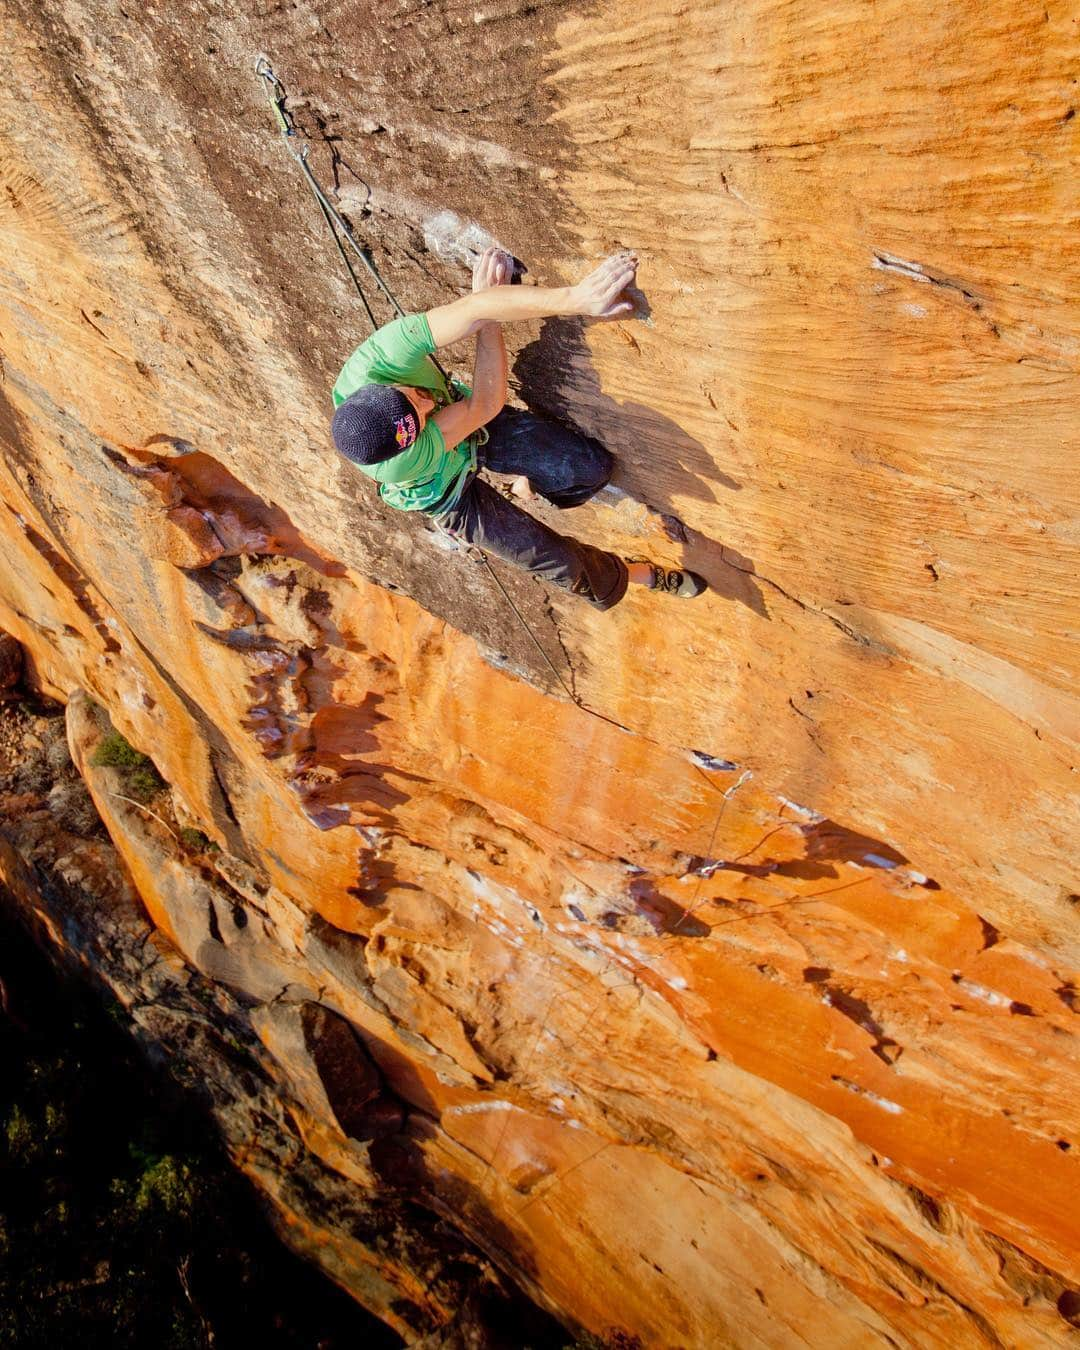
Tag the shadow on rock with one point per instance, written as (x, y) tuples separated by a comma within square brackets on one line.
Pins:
[(241, 520), (659, 462), (330, 777), (493, 1313), (663, 914), (827, 843)]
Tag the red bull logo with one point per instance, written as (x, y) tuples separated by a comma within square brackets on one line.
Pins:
[(405, 431)]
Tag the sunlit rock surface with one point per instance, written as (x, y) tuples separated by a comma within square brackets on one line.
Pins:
[(735, 995)]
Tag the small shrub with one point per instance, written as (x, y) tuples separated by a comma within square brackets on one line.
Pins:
[(20, 1135), (141, 781), (167, 1185), (144, 783), (115, 752), (197, 841)]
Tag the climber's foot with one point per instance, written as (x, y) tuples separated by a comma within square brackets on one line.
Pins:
[(675, 581)]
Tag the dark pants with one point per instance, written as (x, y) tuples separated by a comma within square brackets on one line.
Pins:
[(562, 466)]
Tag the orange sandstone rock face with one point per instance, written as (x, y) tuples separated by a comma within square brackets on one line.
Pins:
[(738, 995)]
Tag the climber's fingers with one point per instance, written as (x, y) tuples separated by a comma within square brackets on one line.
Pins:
[(603, 288), (619, 279), (481, 269), (494, 267), (619, 263)]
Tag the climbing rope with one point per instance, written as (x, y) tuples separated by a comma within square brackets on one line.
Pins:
[(342, 236), (276, 95), (570, 693), (341, 231)]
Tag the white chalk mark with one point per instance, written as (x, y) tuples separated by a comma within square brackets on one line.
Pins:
[(888, 262), (980, 991), (883, 1103), (475, 1108), (807, 813)]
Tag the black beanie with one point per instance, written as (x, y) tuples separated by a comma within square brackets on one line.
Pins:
[(375, 423)]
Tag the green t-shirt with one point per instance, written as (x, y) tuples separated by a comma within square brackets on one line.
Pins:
[(428, 474)]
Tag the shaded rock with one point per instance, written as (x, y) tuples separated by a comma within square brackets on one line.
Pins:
[(11, 664), (72, 807)]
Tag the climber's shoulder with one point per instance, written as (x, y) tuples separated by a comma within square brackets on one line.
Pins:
[(396, 353)]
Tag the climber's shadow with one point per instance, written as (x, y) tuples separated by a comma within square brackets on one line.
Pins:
[(658, 461)]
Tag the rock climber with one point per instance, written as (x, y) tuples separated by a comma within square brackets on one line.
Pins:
[(423, 439)]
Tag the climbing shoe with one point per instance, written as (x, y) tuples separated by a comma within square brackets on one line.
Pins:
[(675, 581)]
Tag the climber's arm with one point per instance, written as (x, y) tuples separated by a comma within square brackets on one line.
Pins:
[(488, 395), (596, 295)]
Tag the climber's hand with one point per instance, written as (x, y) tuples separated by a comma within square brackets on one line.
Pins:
[(600, 294), (494, 267)]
